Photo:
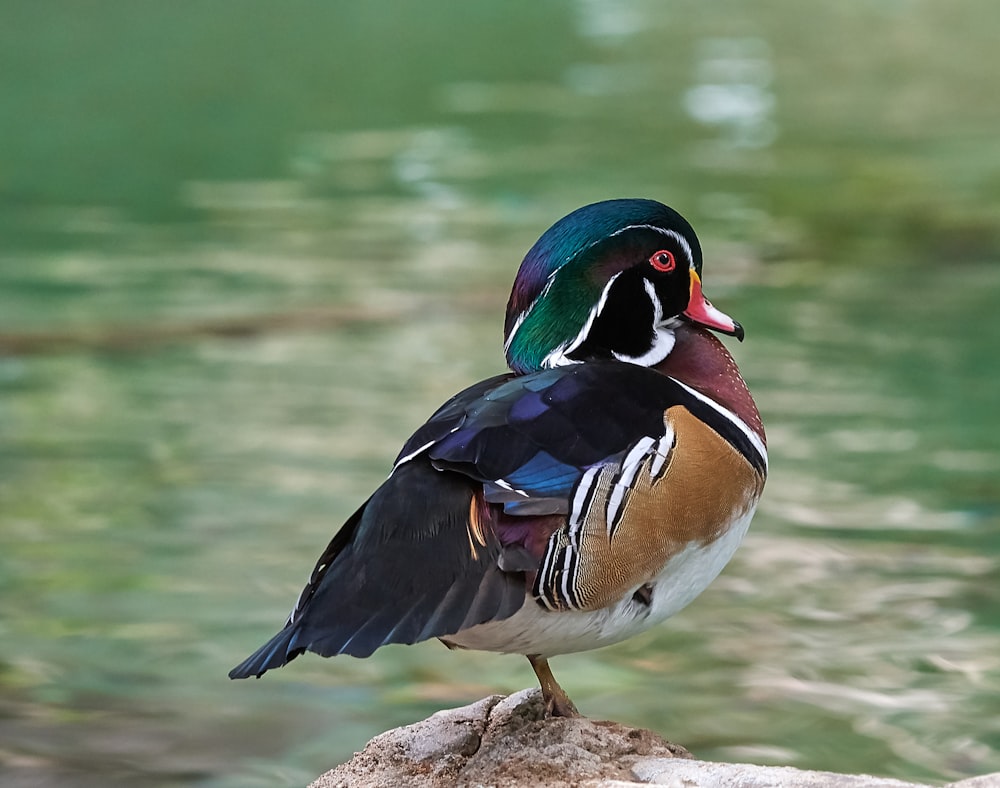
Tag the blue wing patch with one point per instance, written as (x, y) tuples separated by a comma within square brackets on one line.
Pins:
[(528, 439), (541, 486)]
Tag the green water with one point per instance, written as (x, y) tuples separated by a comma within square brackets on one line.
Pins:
[(248, 247)]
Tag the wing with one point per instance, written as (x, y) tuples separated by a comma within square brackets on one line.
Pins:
[(408, 566), (455, 535), (529, 439)]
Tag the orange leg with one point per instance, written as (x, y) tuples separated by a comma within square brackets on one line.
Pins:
[(557, 702)]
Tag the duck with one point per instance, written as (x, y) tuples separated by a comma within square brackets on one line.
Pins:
[(583, 496)]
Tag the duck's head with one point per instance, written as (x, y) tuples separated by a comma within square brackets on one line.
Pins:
[(610, 280)]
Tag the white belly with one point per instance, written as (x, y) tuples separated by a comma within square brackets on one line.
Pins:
[(536, 630)]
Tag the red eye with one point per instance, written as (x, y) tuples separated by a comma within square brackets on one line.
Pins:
[(663, 261)]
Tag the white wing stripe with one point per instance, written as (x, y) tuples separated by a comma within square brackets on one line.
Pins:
[(629, 469), (751, 436), (663, 448)]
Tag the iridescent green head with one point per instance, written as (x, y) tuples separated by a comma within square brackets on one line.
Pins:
[(610, 280)]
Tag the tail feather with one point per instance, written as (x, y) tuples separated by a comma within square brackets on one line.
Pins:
[(276, 652)]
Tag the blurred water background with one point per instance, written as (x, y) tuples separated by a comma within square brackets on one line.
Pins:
[(246, 248)]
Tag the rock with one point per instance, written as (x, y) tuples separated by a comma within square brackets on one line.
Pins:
[(503, 742), (984, 781), (702, 774)]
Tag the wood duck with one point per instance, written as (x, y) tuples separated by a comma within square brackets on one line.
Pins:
[(577, 500)]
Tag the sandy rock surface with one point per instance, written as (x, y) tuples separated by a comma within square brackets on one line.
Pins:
[(501, 742)]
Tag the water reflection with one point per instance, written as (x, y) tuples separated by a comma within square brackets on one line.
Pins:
[(200, 406), (610, 22), (733, 92)]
